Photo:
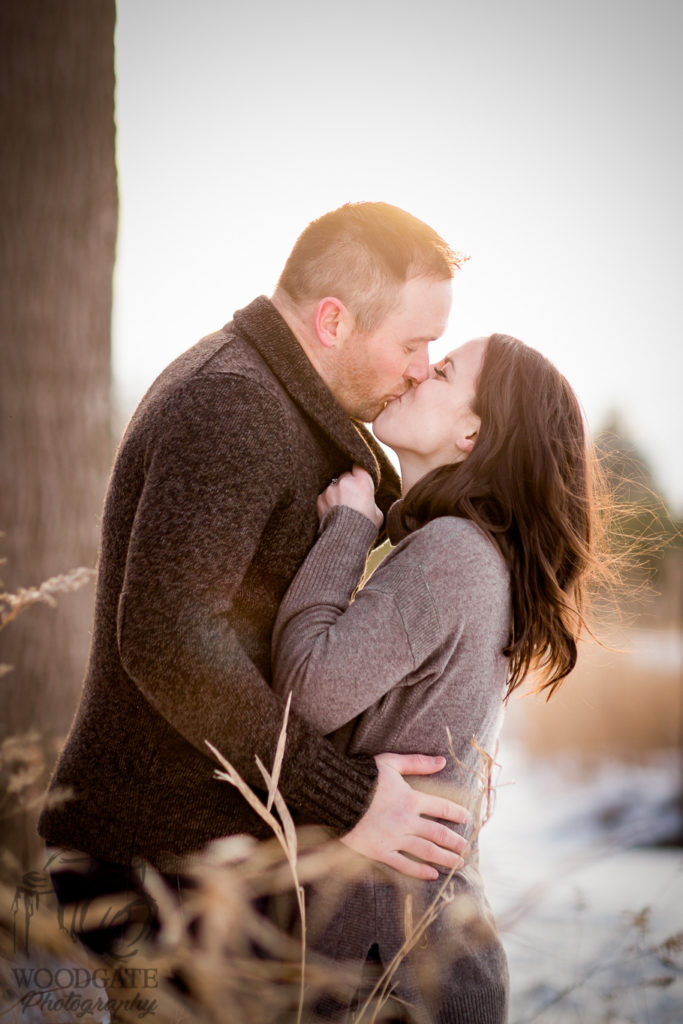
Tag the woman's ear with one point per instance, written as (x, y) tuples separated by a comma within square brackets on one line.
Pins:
[(331, 321), (466, 440)]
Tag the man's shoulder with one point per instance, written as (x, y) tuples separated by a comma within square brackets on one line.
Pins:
[(213, 392), (222, 367), (223, 353)]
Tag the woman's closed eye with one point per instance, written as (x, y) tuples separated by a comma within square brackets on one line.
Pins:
[(440, 371)]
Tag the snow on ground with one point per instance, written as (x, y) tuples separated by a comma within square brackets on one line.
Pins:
[(591, 916)]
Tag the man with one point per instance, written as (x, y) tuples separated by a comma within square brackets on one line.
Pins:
[(211, 509)]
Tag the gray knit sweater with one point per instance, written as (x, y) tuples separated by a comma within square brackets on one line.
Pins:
[(416, 652), (209, 513)]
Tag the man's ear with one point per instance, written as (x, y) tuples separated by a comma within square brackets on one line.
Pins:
[(466, 440), (332, 321)]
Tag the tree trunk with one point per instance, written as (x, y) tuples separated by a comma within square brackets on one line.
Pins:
[(58, 211)]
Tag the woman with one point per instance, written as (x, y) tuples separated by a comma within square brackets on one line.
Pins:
[(493, 542)]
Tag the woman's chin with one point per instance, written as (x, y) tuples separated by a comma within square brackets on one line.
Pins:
[(380, 427), (384, 416)]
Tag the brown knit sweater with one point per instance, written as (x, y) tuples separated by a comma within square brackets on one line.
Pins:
[(209, 513)]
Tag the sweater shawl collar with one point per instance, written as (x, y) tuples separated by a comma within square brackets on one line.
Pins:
[(263, 327), (396, 530)]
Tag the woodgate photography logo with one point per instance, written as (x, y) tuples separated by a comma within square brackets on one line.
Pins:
[(40, 983), (82, 993)]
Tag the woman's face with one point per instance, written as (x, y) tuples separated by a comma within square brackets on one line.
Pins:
[(433, 424)]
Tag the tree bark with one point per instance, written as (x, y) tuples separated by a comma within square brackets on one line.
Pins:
[(58, 211)]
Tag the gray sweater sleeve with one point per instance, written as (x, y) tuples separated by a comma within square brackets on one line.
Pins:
[(339, 653)]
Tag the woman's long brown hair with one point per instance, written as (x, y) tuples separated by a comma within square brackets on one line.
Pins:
[(528, 484)]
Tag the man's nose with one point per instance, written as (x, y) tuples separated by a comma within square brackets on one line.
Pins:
[(418, 368)]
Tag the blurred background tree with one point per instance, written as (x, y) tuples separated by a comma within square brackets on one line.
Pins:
[(644, 529), (58, 210), (624, 702)]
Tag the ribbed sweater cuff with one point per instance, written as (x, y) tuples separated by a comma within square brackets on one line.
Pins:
[(346, 518), (344, 788)]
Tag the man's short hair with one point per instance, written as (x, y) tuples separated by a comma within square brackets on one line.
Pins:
[(363, 253)]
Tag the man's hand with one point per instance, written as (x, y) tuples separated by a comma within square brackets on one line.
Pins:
[(354, 489), (393, 824)]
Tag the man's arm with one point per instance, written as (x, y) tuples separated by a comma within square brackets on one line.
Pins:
[(215, 476)]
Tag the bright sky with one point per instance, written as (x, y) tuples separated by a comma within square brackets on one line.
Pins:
[(542, 137)]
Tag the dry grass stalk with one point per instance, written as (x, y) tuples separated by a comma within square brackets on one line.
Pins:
[(481, 809), (285, 833), (485, 790), (382, 990), (23, 767), (12, 604), (228, 983)]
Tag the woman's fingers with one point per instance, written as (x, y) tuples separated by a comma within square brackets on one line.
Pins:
[(355, 489)]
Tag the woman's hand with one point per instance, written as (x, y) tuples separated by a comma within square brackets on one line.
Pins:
[(354, 489)]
